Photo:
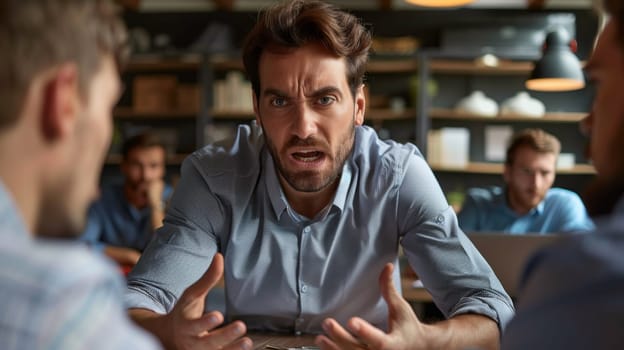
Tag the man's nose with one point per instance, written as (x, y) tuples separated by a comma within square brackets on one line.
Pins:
[(304, 121)]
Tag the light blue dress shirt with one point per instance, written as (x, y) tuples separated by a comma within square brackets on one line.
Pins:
[(486, 209), (288, 273), (114, 221), (58, 295), (572, 294)]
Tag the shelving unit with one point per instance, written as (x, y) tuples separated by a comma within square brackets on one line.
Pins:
[(550, 117), (457, 77), (179, 123), (497, 168)]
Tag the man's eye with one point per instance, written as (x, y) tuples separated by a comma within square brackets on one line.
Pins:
[(278, 102), (326, 100)]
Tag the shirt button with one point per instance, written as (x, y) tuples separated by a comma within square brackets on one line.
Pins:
[(297, 332), (439, 219), (306, 229), (304, 288), (299, 320)]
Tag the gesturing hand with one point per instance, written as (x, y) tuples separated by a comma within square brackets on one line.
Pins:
[(405, 329), (192, 329)]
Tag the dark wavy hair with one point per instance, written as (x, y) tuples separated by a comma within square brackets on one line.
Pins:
[(295, 23)]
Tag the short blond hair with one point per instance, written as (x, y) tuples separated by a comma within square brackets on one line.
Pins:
[(38, 35), (536, 139)]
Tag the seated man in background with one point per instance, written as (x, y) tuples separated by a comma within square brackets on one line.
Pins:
[(527, 204), (123, 220)]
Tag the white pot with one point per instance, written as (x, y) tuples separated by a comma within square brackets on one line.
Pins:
[(478, 104), (524, 105)]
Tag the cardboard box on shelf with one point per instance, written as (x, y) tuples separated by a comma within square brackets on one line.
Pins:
[(188, 98), (153, 93)]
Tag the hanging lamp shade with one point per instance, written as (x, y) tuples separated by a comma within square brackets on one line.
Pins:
[(439, 3), (559, 69)]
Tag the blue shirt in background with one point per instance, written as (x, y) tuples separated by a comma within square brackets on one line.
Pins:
[(114, 221), (486, 209), (285, 272)]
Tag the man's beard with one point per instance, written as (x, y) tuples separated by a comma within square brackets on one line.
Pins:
[(313, 181)]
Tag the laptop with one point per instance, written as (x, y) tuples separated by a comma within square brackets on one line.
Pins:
[(508, 254)]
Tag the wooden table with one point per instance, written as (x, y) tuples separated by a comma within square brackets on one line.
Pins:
[(261, 340)]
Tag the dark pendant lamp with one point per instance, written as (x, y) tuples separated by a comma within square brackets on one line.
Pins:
[(559, 69)]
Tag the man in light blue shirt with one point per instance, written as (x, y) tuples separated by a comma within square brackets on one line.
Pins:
[(123, 220), (308, 207), (527, 204)]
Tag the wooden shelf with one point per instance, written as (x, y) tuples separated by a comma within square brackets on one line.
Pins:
[(158, 63), (172, 159), (224, 64), (232, 115), (388, 114), (497, 168), (554, 117), (131, 113), (471, 67), (392, 66)]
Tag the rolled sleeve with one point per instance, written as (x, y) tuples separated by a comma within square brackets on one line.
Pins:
[(182, 249), (450, 267)]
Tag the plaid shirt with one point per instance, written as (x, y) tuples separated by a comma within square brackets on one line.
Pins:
[(57, 295)]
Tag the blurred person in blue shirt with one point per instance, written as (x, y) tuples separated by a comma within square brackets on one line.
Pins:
[(527, 203), (123, 220)]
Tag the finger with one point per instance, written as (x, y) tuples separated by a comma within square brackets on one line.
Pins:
[(224, 335), (240, 344), (367, 334), (340, 335), (325, 343), (397, 306), (205, 323)]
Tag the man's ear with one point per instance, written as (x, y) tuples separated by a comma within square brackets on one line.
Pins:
[(506, 172), (360, 105), (60, 102)]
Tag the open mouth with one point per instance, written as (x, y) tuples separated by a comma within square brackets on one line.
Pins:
[(308, 157)]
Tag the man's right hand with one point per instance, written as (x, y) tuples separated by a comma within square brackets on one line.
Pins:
[(187, 327)]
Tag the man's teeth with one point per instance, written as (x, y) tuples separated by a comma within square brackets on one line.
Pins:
[(307, 156)]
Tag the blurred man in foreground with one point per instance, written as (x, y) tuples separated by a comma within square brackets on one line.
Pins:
[(572, 293), (59, 81)]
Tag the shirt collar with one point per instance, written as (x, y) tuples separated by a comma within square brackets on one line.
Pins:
[(12, 221), (276, 194), (501, 200)]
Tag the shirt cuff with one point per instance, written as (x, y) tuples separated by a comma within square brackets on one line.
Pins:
[(487, 304)]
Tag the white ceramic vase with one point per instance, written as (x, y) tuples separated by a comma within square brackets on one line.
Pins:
[(477, 104), (523, 104)]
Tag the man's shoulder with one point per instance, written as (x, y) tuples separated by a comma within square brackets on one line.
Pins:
[(38, 274), (561, 196), (239, 155), (56, 265), (575, 261), (369, 150)]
